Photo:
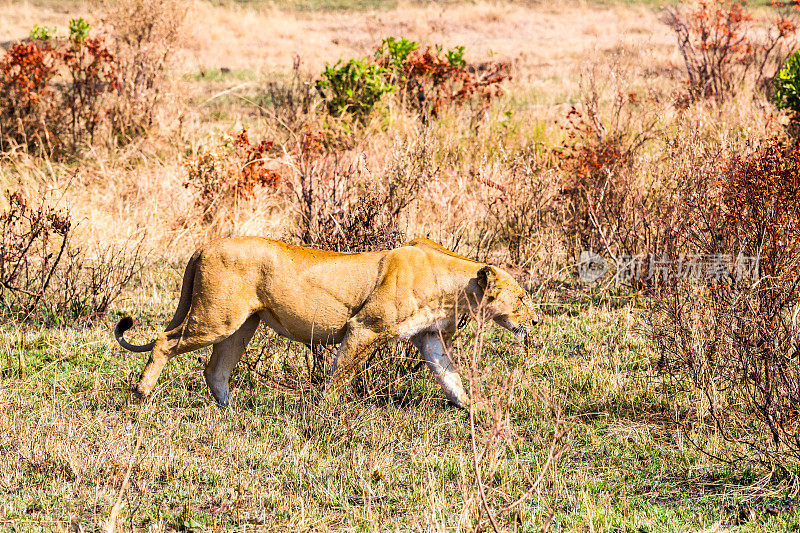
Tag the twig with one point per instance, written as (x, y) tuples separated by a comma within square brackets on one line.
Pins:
[(475, 456), (226, 91), (112, 519), (477, 466)]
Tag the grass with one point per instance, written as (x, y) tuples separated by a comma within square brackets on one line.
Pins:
[(70, 429), (365, 5), (326, 5), (221, 74)]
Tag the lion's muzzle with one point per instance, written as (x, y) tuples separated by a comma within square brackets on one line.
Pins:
[(522, 333), (528, 344)]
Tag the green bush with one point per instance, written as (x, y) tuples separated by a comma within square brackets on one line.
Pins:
[(455, 56), (353, 87), (78, 30), (426, 80), (42, 33), (787, 86), (395, 51)]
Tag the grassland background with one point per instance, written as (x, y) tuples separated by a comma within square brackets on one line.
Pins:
[(70, 430)]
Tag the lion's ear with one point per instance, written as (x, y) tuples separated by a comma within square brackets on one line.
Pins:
[(487, 280)]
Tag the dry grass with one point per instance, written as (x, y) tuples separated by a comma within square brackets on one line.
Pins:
[(546, 49)]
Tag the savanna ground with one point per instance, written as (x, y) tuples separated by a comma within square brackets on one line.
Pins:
[(583, 429)]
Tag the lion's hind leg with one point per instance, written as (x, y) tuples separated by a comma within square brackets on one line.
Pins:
[(195, 332), (224, 357)]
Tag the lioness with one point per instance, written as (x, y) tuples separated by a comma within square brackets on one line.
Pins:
[(418, 291)]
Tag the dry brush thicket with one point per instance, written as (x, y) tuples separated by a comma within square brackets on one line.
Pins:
[(659, 142)]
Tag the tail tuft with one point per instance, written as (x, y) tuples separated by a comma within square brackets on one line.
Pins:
[(122, 326), (119, 330), (180, 313)]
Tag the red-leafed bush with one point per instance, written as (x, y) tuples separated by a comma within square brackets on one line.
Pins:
[(598, 194), (232, 170), (731, 338), (721, 46), (761, 193), (92, 71), (431, 80), (29, 113), (53, 92)]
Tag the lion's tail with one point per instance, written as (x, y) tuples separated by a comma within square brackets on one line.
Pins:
[(184, 303)]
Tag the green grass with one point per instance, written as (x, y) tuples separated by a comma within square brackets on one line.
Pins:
[(277, 459), (221, 74), (330, 5), (366, 5)]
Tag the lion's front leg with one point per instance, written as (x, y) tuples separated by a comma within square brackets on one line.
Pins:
[(357, 342), (434, 352)]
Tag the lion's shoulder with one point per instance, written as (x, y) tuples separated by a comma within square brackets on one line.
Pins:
[(425, 265), (432, 246), (422, 242)]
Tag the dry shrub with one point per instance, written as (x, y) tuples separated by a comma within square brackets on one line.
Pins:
[(46, 278), (146, 34), (523, 207), (290, 103), (33, 243), (230, 172), (730, 339), (91, 279), (341, 207), (602, 204), (721, 46), (432, 79), (364, 224), (342, 213)]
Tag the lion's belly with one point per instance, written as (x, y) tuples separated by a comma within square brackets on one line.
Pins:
[(318, 328), (311, 300)]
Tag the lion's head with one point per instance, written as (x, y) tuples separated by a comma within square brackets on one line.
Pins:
[(506, 302)]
